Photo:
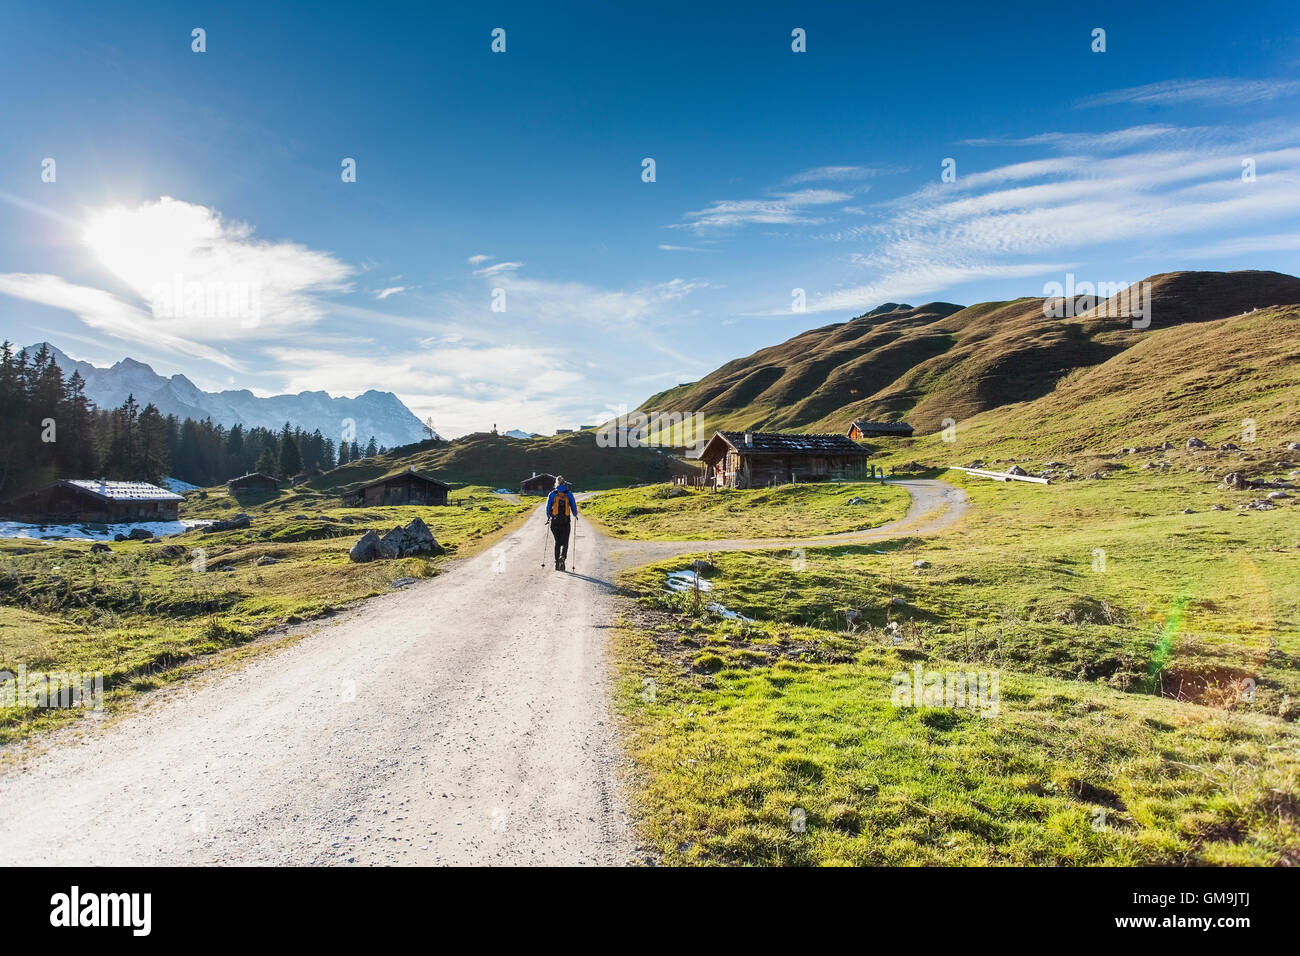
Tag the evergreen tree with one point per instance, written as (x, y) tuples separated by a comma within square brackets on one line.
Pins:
[(290, 456)]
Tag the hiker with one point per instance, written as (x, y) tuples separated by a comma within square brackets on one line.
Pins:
[(560, 507)]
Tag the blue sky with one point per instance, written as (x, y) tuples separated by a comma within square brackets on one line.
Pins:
[(522, 171)]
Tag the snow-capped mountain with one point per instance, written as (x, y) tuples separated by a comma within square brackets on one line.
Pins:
[(381, 414)]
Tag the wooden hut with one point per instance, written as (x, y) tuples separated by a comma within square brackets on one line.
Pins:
[(758, 459), (402, 488), (92, 501), (253, 481), (860, 428), (541, 484)]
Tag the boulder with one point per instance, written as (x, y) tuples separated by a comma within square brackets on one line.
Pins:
[(1228, 446), (701, 566), (1196, 443), (366, 548), (119, 537), (1275, 495), (855, 500), (1016, 470), (1236, 480), (100, 547), (410, 541), (922, 563), (853, 617), (264, 560), (1293, 446), (1217, 507)]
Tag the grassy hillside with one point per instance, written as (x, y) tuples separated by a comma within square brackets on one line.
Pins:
[(144, 614), (500, 462), (940, 361), (667, 512)]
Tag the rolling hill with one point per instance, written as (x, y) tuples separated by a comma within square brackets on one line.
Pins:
[(942, 361)]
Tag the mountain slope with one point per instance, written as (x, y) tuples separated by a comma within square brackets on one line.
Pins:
[(380, 414), (941, 361)]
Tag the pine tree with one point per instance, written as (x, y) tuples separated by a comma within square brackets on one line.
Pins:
[(290, 456)]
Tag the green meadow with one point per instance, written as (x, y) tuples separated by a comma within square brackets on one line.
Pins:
[(674, 513), (1148, 685), (145, 614)]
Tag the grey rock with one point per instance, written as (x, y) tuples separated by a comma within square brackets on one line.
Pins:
[(100, 547), (1196, 443), (366, 549), (264, 560)]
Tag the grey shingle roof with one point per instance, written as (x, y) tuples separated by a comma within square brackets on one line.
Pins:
[(786, 443), (123, 490)]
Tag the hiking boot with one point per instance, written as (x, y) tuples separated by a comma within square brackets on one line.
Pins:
[(559, 565)]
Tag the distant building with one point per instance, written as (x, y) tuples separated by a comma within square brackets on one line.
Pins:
[(758, 459), (861, 428), (541, 484), (564, 431), (90, 500), (402, 488), (253, 481)]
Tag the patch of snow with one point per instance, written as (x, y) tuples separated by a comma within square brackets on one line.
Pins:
[(718, 609), (81, 532), (685, 581)]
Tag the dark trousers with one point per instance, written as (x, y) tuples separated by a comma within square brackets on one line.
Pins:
[(560, 528)]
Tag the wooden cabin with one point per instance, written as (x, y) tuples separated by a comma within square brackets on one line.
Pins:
[(542, 484), (92, 501), (860, 428), (402, 488), (758, 459), (253, 481)]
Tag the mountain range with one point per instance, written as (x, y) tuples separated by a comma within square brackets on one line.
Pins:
[(380, 414), (940, 361)]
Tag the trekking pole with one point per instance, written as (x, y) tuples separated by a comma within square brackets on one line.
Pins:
[(575, 542), (546, 526)]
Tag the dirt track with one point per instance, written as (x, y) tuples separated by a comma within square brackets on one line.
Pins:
[(463, 720)]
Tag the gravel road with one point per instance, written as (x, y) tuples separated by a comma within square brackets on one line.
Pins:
[(462, 720)]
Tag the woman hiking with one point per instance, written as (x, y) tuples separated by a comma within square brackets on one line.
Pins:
[(560, 509)]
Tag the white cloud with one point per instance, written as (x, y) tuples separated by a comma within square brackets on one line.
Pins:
[(1229, 92), (160, 247), (106, 312), (1042, 216), (475, 260), (787, 208), (391, 290), (820, 174), (498, 268)]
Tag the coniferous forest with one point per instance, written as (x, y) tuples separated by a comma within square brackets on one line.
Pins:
[(56, 432)]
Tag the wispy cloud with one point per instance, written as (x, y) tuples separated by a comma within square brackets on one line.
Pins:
[(1227, 92), (107, 313), (787, 208), (391, 290), (1043, 216), (498, 268), (822, 174)]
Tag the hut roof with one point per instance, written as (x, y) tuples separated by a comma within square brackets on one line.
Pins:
[(254, 474), (409, 473), (785, 443), (120, 490)]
